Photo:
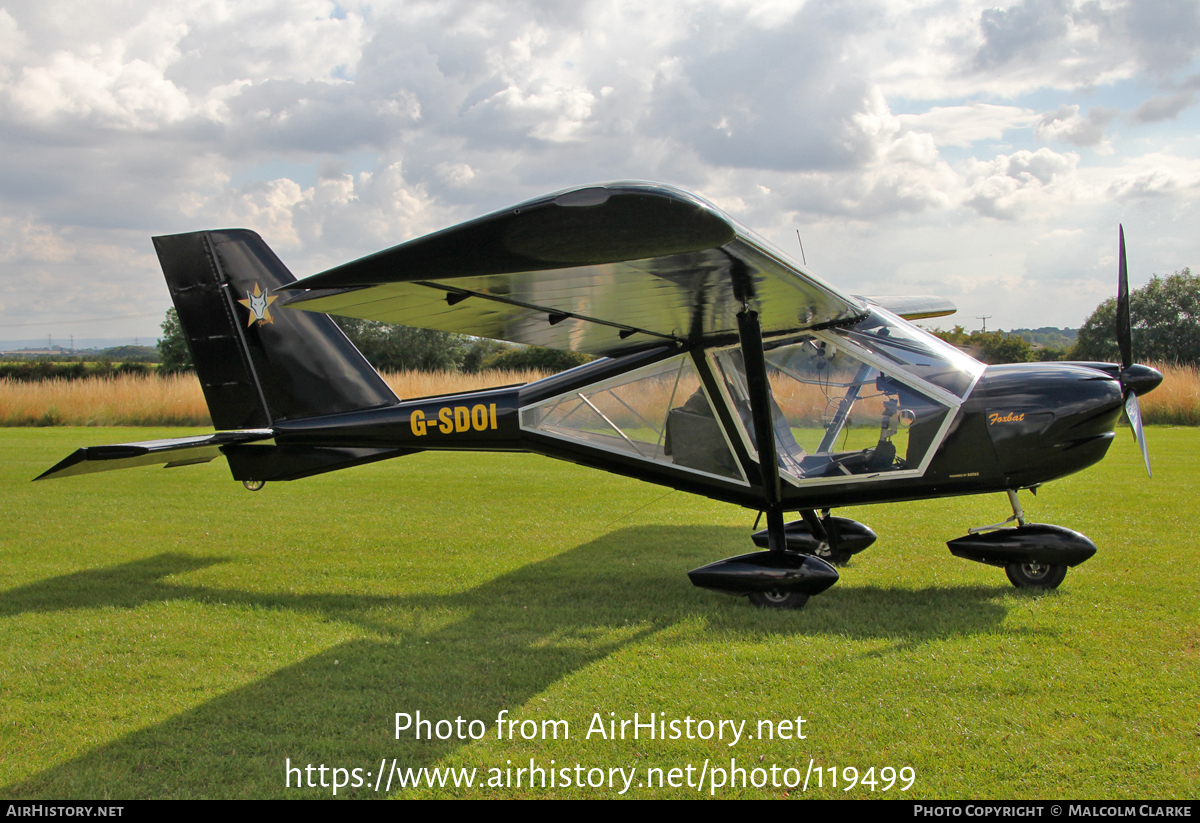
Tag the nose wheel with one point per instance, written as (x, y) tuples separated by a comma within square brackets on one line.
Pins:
[(1034, 555), (1042, 576)]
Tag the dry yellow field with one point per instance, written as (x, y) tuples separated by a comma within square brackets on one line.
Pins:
[(134, 400), (1177, 401)]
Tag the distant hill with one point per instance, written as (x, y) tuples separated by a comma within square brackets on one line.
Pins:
[(1051, 337), (58, 354), (131, 354), (81, 343)]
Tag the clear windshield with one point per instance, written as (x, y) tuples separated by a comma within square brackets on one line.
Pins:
[(916, 351)]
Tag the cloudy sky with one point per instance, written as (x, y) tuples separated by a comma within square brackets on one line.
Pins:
[(982, 152)]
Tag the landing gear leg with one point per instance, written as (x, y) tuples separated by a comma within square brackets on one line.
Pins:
[(1018, 515), (759, 392), (825, 530), (776, 541)]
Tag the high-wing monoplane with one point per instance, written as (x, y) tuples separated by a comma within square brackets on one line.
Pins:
[(724, 369)]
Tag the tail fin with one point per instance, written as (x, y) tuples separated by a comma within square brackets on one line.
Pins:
[(259, 364)]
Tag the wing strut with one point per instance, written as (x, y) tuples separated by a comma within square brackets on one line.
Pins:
[(759, 390)]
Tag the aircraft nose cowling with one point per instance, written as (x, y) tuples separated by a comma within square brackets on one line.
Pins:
[(1047, 420), (1139, 379)]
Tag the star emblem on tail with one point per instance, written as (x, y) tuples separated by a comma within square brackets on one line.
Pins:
[(259, 304)]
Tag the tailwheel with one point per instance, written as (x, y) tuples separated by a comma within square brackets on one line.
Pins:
[(779, 600), (1042, 576)]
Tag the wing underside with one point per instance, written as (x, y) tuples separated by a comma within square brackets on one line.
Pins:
[(601, 270)]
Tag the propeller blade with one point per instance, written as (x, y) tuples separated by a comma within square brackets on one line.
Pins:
[(1134, 412), (1124, 340)]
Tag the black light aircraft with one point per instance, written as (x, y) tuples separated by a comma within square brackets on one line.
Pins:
[(725, 369)]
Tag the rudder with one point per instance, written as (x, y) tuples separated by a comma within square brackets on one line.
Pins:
[(258, 364)]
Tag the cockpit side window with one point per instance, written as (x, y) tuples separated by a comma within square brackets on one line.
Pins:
[(660, 413)]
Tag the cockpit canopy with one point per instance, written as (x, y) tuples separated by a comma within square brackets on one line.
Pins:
[(846, 404)]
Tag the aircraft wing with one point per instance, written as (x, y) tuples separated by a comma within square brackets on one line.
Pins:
[(915, 307), (602, 270)]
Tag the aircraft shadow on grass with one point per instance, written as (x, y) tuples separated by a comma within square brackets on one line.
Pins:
[(511, 638)]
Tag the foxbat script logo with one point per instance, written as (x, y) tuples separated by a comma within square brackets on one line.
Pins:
[(259, 304), (1011, 417)]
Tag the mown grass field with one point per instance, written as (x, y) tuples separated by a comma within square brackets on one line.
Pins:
[(166, 633)]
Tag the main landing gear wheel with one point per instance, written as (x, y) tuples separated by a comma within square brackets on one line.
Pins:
[(779, 600), (1035, 575)]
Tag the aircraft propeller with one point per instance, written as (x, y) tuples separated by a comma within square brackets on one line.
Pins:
[(1134, 377)]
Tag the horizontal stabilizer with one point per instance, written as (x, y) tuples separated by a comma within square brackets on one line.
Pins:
[(181, 451), (914, 307)]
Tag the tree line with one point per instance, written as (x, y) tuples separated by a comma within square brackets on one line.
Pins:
[(390, 347), (46, 368), (1164, 317)]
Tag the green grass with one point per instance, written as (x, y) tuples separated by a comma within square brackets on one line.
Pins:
[(168, 634)]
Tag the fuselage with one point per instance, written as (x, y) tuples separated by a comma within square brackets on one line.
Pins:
[(1017, 426)]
